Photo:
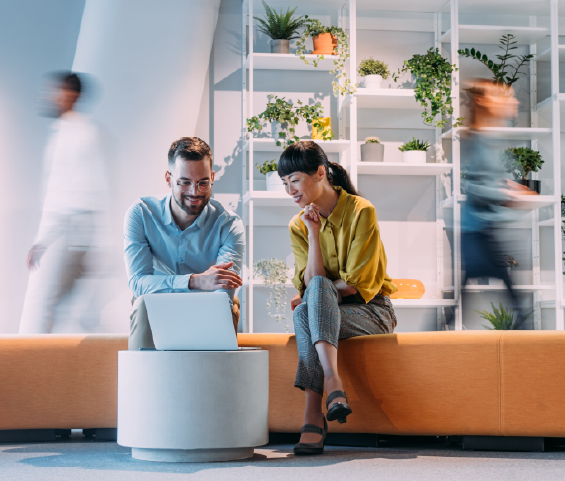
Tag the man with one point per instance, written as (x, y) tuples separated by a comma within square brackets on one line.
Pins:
[(73, 210), (183, 241)]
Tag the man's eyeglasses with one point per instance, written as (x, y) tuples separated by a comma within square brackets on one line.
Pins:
[(187, 185)]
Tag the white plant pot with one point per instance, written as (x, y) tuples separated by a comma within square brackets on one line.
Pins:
[(414, 157), (274, 182), (373, 81)]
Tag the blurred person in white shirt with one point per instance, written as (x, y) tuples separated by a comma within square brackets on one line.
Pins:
[(74, 207)]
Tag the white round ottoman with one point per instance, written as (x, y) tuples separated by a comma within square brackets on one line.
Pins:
[(193, 406)]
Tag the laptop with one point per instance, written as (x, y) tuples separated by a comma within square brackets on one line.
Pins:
[(196, 321)]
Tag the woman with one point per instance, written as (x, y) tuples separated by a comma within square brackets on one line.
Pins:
[(341, 276), (489, 193)]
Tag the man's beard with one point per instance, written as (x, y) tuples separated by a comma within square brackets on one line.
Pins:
[(192, 210)]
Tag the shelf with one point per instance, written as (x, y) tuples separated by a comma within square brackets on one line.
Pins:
[(524, 288), (269, 199), (545, 56), (482, 7), (422, 303), (549, 222), (550, 304), (526, 202), (288, 61), (269, 145), (384, 99), (490, 34), (399, 168), (507, 133)]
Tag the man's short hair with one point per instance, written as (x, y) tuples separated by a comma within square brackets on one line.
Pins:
[(68, 80), (189, 148)]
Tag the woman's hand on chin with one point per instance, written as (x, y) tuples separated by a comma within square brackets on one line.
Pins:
[(311, 218)]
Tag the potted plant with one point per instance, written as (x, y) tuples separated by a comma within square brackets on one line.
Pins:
[(327, 41), (281, 27), (269, 170), (374, 71), (433, 86), (504, 73), (274, 273), (283, 117), (503, 319), (414, 151), (372, 150), (520, 161)]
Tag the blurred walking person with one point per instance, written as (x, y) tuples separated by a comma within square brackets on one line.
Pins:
[(489, 193), (73, 209)]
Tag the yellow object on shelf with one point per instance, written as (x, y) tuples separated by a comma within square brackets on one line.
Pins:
[(326, 125), (408, 289)]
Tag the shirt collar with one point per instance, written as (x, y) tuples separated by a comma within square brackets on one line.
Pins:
[(167, 214), (336, 217), (201, 219)]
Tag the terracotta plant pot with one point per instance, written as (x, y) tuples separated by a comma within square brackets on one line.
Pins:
[(372, 152), (533, 185), (280, 46), (324, 44), (408, 289), (326, 125), (414, 157), (274, 182)]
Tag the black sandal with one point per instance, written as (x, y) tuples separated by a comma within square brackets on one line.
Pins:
[(312, 448), (339, 410)]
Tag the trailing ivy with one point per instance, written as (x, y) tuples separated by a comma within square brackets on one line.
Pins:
[(433, 86), (284, 112), (314, 28)]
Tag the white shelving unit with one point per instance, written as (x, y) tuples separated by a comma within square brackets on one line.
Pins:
[(545, 125)]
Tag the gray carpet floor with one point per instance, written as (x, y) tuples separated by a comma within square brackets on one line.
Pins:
[(80, 459)]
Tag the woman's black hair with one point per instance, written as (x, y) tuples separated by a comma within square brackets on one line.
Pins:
[(306, 156)]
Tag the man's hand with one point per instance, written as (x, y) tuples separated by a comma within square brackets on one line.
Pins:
[(216, 277), (296, 300), (34, 256)]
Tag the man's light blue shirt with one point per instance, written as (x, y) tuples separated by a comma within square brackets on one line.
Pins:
[(161, 258)]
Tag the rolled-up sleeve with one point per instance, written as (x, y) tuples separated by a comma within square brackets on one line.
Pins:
[(139, 260), (299, 244), (232, 249), (363, 268)]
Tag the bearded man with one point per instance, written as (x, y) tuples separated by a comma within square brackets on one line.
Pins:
[(184, 241)]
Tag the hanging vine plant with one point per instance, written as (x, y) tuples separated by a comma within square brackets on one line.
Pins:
[(433, 86), (274, 273), (288, 116), (314, 28)]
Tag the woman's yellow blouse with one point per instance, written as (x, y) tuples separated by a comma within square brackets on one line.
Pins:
[(351, 247)]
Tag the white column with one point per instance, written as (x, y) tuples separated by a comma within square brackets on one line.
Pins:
[(150, 58)]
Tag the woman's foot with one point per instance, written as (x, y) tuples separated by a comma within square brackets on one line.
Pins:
[(317, 419), (334, 383)]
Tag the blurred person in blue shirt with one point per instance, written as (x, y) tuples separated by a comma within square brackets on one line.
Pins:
[(184, 241), (489, 194)]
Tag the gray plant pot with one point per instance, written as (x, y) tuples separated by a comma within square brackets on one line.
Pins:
[(279, 46), (372, 152), (277, 127)]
